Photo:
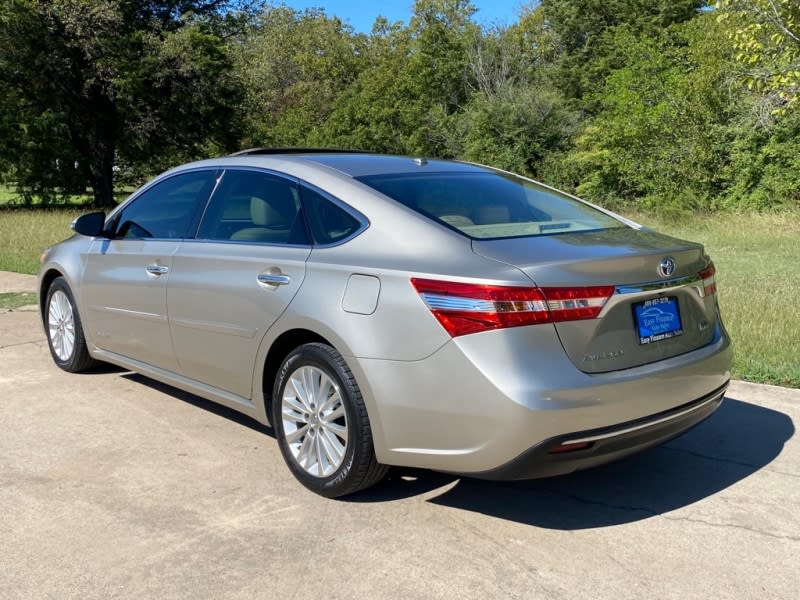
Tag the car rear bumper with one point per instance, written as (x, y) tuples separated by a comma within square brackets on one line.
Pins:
[(494, 404), (599, 446)]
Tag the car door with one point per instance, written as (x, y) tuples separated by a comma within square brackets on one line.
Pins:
[(125, 277), (231, 283)]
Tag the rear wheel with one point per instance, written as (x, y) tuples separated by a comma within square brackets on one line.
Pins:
[(64, 329), (321, 423)]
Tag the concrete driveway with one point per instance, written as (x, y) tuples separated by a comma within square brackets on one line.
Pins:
[(114, 486)]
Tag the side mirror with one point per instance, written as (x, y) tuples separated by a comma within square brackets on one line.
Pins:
[(90, 224)]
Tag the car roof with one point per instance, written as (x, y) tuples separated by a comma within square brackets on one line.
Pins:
[(361, 165), (354, 164)]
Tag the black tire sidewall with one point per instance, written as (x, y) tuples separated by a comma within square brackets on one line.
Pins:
[(314, 355)]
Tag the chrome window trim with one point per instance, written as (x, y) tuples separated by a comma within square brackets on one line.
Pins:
[(243, 243)]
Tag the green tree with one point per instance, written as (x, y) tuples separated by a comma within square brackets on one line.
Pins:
[(584, 33), (662, 135), (514, 118), (766, 35), (95, 82), (294, 65), (413, 83)]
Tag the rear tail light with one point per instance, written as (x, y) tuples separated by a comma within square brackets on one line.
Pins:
[(464, 308), (708, 275)]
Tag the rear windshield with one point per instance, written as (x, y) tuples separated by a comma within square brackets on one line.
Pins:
[(490, 205)]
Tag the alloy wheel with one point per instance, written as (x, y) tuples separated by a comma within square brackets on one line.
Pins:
[(314, 421)]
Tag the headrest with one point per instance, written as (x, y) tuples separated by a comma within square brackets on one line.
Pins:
[(493, 213), (268, 214)]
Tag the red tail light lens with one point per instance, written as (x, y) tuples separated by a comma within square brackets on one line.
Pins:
[(576, 303), (709, 280), (464, 308)]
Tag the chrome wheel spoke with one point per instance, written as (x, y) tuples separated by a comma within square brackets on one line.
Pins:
[(304, 451), (336, 429), (293, 403), (325, 388), (69, 337), (308, 385), (294, 416), (300, 391), (336, 413), (334, 449), (318, 445), (296, 434)]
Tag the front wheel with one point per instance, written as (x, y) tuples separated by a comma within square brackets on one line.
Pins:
[(64, 329), (321, 423)]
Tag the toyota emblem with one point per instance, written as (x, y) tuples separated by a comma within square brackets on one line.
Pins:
[(666, 267)]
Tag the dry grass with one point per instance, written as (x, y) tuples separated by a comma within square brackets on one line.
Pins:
[(759, 284), (25, 232)]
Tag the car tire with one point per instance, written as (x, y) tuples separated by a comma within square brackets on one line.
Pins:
[(321, 423), (64, 330)]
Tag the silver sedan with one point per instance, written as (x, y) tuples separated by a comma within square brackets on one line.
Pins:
[(387, 310)]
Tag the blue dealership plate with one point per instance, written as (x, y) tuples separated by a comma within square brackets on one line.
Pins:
[(657, 319)]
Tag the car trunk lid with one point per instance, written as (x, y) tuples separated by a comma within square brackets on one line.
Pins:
[(652, 315)]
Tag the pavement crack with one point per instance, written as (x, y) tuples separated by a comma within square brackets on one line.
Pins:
[(3, 347), (790, 538), (624, 507), (654, 513), (731, 461)]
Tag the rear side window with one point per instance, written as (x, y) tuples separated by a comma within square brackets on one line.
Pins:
[(249, 206), (328, 222), (490, 205), (169, 209)]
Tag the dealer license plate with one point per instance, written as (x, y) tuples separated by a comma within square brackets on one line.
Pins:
[(657, 319)]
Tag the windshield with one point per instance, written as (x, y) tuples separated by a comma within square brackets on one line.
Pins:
[(490, 205)]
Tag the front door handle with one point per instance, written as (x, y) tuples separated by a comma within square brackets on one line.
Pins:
[(274, 280), (155, 269)]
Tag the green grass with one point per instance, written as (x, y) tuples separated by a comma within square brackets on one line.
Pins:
[(11, 300), (10, 198), (7, 196), (758, 279), (757, 275), (25, 232)]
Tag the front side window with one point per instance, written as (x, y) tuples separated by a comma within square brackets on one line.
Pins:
[(249, 206), (490, 205), (167, 210)]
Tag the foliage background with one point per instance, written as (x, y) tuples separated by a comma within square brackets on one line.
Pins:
[(666, 106)]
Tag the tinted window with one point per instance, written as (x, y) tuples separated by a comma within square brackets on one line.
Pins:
[(328, 222), (490, 205), (249, 206), (168, 209)]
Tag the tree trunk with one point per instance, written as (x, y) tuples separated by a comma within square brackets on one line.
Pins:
[(103, 176)]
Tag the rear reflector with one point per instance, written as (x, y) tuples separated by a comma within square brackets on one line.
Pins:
[(709, 280), (570, 447), (464, 308)]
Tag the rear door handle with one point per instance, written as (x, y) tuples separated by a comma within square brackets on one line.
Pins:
[(155, 269), (274, 280)]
